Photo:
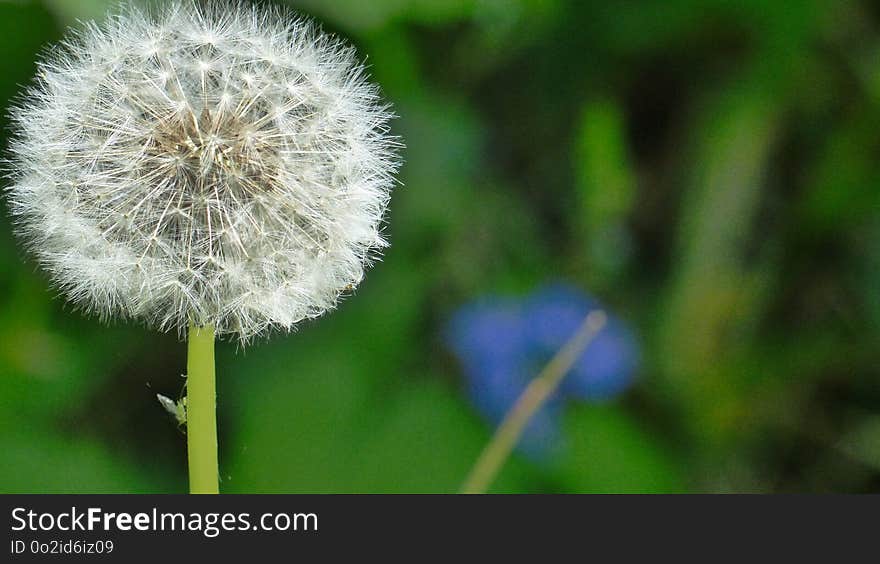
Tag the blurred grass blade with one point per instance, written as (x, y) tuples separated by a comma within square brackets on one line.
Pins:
[(606, 189), (710, 292), (533, 397)]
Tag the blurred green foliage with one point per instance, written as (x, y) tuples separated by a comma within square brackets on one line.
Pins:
[(708, 169)]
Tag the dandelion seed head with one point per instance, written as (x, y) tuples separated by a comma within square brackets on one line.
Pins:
[(208, 164)]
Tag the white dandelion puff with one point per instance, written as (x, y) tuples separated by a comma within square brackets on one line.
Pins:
[(209, 164)]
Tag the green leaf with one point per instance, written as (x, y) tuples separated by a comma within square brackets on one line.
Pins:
[(605, 180), (312, 425), (427, 441), (609, 452), (606, 188), (36, 460)]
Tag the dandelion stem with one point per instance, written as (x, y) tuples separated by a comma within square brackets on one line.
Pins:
[(201, 411), (529, 402)]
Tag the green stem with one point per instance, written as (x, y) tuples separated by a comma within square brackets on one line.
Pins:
[(201, 411)]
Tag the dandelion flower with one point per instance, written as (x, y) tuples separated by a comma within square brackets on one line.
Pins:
[(217, 169), (217, 165)]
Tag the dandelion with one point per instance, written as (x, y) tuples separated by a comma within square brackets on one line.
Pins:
[(215, 167)]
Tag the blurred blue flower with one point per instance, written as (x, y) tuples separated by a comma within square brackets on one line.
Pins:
[(502, 343)]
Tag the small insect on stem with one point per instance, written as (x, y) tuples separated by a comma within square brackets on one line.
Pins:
[(177, 409)]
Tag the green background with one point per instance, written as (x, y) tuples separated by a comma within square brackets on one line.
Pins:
[(708, 169)]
